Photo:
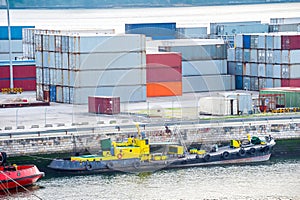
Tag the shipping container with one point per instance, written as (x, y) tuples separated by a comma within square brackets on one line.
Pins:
[(65, 61), (290, 82), (261, 42), (261, 70), (246, 55), (106, 61), (215, 27), (16, 46), (246, 41), (261, 56), (66, 94), (239, 55), (285, 20), (171, 59), (290, 42), (238, 41), (58, 60), (191, 32), (160, 89), (39, 92), (126, 93), (276, 72), (253, 83), (254, 69), (246, 83), (204, 67), (107, 43), (239, 67), (290, 56), (269, 70), (253, 56), (261, 83), (104, 104), (231, 54), (239, 82), (218, 105), (52, 93), (59, 94), (108, 78), (284, 27), (39, 75), (163, 74), (276, 82), (269, 83), (15, 32), (246, 69), (208, 83), (198, 52), (156, 31), (269, 56)]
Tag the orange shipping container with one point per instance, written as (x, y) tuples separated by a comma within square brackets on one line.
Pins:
[(160, 89)]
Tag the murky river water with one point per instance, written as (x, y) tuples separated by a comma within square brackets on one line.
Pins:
[(273, 180)]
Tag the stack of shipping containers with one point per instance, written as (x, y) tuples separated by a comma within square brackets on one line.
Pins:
[(23, 74), (204, 64), (284, 24), (16, 42), (164, 77), (72, 67), (265, 60)]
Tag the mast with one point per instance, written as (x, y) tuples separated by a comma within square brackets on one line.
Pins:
[(9, 46)]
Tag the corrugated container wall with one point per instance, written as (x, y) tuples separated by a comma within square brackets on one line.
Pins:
[(157, 31)]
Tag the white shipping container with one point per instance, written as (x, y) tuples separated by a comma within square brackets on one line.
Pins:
[(231, 54), (51, 42), (269, 56), (53, 77), (261, 42), (107, 43), (39, 59), (16, 46), (290, 56), (253, 55), (261, 56), (108, 78), (39, 92), (294, 71), (246, 70), (285, 71), (51, 59), (208, 83), (204, 67), (191, 32), (261, 70), (46, 76), (217, 105), (65, 61), (103, 61), (58, 60), (276, 71), (66, 95), (277, 57), (5, 56), (136, 93), (238, 41), (39, 75), (277, 42), (46, 59), (59, 94)]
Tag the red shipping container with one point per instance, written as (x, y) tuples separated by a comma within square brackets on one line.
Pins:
[(163, 74), (4, 84), (290, 42), (104, 105), (171, 59), (26, 84), (290, 82), (21, 71), (4, 72)]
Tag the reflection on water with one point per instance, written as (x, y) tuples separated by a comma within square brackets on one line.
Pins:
[(275, 179)]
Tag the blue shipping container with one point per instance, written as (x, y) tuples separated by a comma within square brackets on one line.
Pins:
[(239, 82), (246, 41), (52, 93), (15, 32), (158, 31)]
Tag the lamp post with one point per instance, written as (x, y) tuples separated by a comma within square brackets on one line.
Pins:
[(5, 2)]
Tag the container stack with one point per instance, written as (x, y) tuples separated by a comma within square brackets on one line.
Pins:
[(164, 74), (32, 36), (284, 24), (16, 42), (265, 60), (73, 67), (24, 75), (227, 30), (157, 31), (204, 65)]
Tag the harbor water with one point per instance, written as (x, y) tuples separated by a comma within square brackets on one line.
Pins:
[(277, 179)]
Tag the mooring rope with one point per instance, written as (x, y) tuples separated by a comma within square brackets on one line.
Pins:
[(20, 185)]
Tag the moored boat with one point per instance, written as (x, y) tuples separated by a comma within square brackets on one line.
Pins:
[(134, 155), (16, 176)]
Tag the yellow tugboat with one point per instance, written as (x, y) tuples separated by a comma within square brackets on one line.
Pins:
[(132, 155)]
